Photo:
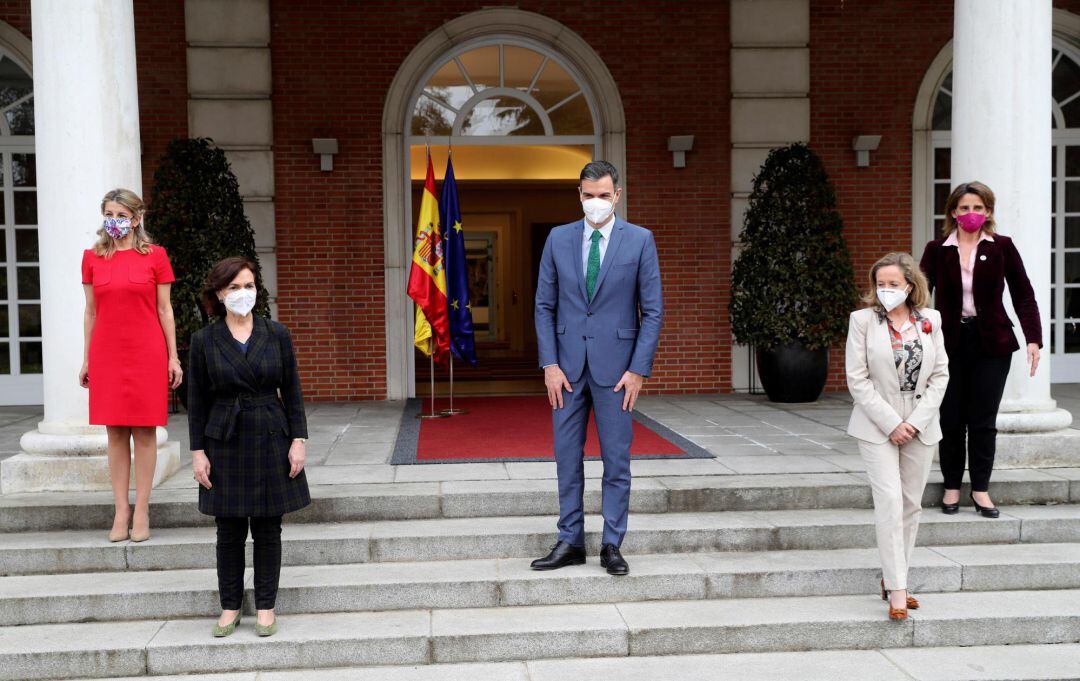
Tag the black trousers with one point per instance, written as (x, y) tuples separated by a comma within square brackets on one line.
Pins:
[(231, 537), (969, 412)]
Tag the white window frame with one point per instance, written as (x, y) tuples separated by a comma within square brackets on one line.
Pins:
[(16, 388)]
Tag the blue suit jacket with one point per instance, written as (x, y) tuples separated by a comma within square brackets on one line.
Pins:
[(608, 333)]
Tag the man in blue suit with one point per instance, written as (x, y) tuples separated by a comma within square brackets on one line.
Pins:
[(598, 316)]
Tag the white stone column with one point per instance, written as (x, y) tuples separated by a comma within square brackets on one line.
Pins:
[(1001, 136), (87, 142)]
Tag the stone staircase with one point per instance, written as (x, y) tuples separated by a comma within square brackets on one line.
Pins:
[(732, 577)]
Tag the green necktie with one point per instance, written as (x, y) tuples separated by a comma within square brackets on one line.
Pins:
[(594, 263)]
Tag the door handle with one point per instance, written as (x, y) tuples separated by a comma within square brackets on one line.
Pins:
[(514, 298)]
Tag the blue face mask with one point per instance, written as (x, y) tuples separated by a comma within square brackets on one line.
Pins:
[(117, 228)]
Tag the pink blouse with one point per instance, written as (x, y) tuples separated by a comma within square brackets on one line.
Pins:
[(967, 271)]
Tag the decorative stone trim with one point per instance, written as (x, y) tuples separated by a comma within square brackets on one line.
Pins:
[(770, 106), (229, 100)]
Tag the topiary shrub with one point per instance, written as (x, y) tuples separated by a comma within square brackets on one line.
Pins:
[(197, 214), (793, 281)]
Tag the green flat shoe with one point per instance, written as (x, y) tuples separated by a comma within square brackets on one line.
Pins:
[(227, 630), (268, 630)]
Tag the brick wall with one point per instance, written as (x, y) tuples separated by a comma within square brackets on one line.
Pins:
[(867, 61), (333, 63), (161, 53)]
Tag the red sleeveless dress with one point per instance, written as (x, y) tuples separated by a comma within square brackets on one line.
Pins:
[(129, 363)]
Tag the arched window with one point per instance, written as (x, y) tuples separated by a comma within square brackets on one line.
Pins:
[(511, 109), (500, 90), (1065, 191), (20, 287)]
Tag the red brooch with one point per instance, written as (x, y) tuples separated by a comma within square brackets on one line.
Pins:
[(927, 327)]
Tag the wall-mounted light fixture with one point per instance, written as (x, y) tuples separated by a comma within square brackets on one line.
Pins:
[(863, 145), (678, 145), (325, 147)]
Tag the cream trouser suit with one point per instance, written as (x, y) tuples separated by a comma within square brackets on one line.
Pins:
[(897, 473)]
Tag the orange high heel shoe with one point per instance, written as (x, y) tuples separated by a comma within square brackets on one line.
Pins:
[(897, 614), (912, 602)]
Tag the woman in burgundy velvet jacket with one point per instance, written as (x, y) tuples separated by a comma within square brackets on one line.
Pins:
[(968, 268)]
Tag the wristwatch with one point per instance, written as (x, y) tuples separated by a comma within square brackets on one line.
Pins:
[(299, 439)]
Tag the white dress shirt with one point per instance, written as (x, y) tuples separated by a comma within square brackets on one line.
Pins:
[(586, 242)]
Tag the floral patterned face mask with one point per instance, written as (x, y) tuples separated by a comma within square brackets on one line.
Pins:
[(117, 228)]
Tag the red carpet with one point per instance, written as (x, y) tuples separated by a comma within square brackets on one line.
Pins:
[(513, 428)]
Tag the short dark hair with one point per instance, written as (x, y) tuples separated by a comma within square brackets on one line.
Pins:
[(598, 170), (221, 275)]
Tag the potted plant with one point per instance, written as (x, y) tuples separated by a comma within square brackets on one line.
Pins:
[(792, 284), (196, 213)]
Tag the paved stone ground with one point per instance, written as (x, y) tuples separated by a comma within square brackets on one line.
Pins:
[(352, 442)]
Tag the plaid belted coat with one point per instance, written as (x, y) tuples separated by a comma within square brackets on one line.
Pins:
[(244, 411)]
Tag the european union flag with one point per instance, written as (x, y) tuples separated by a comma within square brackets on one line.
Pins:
[(462, 342)]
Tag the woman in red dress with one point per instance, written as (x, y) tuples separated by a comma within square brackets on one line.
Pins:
[(129, 356)]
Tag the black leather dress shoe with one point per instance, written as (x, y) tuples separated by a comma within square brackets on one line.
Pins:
[(611, 559), (562, 554)]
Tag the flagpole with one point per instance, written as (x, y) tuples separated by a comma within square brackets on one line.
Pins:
[(451, 411), (433, 414)]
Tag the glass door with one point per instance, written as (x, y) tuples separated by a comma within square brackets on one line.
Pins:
[(20, 281)]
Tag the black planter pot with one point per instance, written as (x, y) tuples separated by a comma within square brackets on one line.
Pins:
[(792, 373)]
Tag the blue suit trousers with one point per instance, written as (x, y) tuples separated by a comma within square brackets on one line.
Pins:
[(615, 427)]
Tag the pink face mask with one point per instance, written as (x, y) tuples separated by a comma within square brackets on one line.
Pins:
[(971, 222)]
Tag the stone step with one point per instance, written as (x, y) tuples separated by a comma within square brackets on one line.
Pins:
[(1047, 662), (43, 599), (415, 637), (529, 537), (365, 501)]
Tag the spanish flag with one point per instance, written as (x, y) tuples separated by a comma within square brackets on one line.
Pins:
[(427, 279)]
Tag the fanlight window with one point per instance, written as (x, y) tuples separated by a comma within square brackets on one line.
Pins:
[(1065, 90), (16, 99), (502, 90)]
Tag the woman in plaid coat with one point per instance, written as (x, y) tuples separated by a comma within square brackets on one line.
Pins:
[(248, 429)]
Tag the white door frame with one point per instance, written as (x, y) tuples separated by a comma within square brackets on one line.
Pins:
[(493, 24)]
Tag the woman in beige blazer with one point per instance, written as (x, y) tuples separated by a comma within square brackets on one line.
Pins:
[(897, 371)]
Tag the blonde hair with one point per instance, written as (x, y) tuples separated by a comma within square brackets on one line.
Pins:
[(978, 189), (141, 241), (919, 296)]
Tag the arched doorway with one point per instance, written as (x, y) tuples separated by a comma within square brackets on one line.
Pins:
[(20, 286), (932, 182), (524, 103)]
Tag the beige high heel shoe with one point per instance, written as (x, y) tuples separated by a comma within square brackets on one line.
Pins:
[(140, 536), (120, 535)]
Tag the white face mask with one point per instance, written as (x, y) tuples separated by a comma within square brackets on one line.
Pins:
[(597, 210), (240, 302), (891, 298)]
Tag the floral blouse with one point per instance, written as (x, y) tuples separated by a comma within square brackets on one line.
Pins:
[(907, 352)]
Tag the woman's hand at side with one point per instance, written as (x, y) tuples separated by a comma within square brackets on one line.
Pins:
[(176, 374), (200, 466), (1033, 356), (84, 375), (297, 456)]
